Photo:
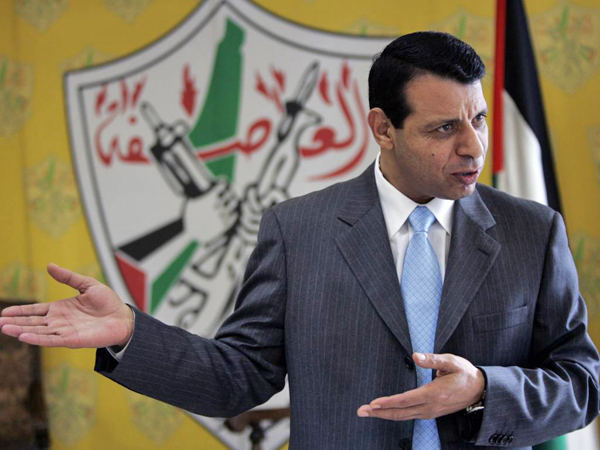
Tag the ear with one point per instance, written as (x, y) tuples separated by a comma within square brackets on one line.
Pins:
[(382, 128)]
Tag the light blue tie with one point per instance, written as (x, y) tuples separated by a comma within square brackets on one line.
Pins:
[(421, 287)]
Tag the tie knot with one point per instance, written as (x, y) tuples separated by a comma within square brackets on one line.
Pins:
[(421, 219)]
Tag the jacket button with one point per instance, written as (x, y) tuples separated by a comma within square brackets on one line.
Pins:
[(510, 439), (504, 440), (404, 444), (493, 439), (408, 362)]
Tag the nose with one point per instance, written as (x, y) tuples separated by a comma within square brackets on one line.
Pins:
[(470, 143)]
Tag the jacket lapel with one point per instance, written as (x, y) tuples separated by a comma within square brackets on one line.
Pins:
[(366, 248), (472, 254)]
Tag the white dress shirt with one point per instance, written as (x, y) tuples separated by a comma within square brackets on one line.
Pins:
[(396, 209)]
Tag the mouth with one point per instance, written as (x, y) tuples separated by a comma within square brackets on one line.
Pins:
[(467, 177)]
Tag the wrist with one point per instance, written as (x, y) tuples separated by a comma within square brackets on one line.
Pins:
[(477, 406), (478, 403), (129, 326)]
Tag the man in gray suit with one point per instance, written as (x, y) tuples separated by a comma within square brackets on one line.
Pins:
[(324, 299)]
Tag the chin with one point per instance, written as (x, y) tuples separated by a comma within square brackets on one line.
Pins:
[(457, 195), (466, 191)]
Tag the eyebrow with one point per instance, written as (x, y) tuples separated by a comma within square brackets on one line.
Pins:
[(451, 121)]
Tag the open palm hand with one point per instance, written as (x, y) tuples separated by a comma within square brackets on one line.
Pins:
[(95, 318)]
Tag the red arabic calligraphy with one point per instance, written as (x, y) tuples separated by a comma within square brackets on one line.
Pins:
[(362, 149), (325, 139), (256, 136), (128, 100)]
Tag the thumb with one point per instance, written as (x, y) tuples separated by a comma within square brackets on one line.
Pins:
[(220, 186), (443, 363), (70, 278)]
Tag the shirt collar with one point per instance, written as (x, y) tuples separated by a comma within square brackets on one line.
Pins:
[(397, 206)]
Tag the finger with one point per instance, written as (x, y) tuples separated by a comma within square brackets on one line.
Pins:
[(414, 397), (23, 321), (411, 413), (11, 330), (16, 330), (35, 309), (231, 218), (248, 236), (253, 202), (43, 341), (251, 219), (274, 196), (248, 226), (230, 207), (70, 278), (229, 199), (221, 187), (445, 363)]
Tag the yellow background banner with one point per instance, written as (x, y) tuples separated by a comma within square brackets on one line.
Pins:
[(43, 219)]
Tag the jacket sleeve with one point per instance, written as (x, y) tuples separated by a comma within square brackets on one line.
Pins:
[(558, 391), (242, 367)]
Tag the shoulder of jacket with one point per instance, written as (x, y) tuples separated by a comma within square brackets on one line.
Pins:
[(502, 204), (317, 201)]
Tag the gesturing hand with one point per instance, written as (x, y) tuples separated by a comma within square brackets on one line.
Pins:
[(458, 384), (94, 318)]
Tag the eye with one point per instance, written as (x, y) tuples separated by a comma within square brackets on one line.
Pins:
[(446, 128), (479, 118)]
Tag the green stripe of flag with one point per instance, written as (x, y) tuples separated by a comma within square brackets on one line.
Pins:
[(560, 443)]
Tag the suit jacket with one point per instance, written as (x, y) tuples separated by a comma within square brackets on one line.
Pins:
[(321, 302)]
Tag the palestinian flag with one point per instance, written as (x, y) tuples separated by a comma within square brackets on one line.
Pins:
[(522, 159)]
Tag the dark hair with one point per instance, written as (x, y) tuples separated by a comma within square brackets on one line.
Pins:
[(423, 52)]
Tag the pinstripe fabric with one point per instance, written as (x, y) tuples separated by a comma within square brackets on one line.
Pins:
[(321, 302)]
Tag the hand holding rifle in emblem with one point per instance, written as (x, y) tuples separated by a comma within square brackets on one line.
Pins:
[(273, 182), (220, 263), (213, 213), (190, 179), (94, 318)]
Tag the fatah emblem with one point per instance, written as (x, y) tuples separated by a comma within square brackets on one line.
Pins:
[(594, 140), (52, 200), (567, 43), (16, 86), (18, 281), (41, 13), (128, 10), (181, 147), (157, 420), (71, 396)]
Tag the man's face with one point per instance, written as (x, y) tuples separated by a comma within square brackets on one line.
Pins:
[(440, 151)]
